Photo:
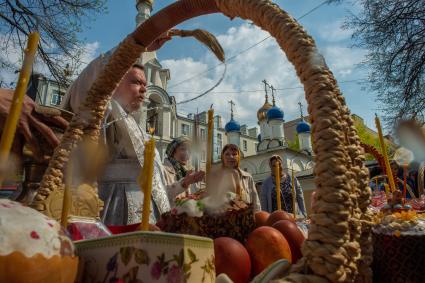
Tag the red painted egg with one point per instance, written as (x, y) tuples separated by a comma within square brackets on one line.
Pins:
[(233, 259), (277, 216), (293, 235)]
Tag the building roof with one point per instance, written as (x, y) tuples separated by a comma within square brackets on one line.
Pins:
[(275, 113), (303, 127), (232, 126), (261, 113)]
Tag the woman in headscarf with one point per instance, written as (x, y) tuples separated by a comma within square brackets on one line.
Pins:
[(176, 166), (125, 138), (268, 191), (230, 159)]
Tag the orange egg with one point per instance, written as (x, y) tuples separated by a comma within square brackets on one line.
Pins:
[(265, 246), (233, 259), (293, 235), (277, 216), (261, 218)]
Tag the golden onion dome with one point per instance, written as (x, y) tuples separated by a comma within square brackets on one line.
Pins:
[(261, 113)]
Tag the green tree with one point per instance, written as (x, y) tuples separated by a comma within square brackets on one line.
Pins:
[(294, 145), (370, 138), (392, 32)]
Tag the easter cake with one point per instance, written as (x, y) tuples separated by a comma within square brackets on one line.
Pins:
[(33, 247)]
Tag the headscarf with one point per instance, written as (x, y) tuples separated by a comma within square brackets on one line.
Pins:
[(231, 147), (174, 144), (275, 157), (180, 170)]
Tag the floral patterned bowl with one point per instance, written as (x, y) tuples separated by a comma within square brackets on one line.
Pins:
[(146, 257)]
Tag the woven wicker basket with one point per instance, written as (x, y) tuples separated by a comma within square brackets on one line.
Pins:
[(338, 248)]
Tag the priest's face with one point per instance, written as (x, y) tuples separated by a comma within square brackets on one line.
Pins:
[(130, 93)]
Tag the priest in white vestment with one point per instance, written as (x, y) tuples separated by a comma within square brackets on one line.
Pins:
[(122, 196)]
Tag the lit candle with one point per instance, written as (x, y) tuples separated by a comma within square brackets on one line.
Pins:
[(209, 143), (404, 182), (67, 200), (146, 183), (294, 196), (277, 181), (11, 123), (385, 155)]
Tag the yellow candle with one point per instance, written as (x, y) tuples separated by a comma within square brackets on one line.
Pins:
[(67, 200), (9, 128), (385, 155), (277, 181), (294, 196), (209, 142), (147, 173)]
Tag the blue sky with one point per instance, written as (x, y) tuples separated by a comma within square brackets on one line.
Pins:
[(186, 58)]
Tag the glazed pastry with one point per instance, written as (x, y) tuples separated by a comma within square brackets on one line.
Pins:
[(33, 247)]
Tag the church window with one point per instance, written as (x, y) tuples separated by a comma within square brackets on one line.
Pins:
[(203, 134), (219, 143), (245, 146), (185, 129), (56, 98)]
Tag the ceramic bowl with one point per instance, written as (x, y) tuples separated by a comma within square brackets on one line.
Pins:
[(146, 257)]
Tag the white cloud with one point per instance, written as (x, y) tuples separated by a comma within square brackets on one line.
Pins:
[(245, 72), (343, 60), (334, 32)]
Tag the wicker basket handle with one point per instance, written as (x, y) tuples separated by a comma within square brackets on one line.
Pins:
[(338, 247)]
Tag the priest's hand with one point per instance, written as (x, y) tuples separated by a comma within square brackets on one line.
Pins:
[(192, 177)]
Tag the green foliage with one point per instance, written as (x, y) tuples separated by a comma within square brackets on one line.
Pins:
[(294, 145), (370, 138)]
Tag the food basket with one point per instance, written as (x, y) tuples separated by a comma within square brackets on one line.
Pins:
[(339, 246)]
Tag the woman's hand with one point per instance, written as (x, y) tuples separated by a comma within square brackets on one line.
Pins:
[(192, 177)]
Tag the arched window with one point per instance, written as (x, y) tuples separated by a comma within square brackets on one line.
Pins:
[(153, 117)]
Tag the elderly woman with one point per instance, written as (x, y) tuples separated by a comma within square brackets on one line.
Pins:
[(176, 166), (230, 159), (268, 191)]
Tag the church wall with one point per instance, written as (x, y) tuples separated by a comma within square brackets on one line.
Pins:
[(166, 124)]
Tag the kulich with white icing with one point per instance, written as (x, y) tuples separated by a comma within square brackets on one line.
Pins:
[(25, 230)]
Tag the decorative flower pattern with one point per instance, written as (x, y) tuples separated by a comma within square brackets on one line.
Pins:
[(176, 269)]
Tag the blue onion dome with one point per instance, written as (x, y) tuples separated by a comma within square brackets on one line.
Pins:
[(232, 126), (303, 127), (274, 113)]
